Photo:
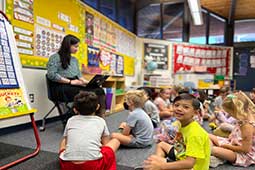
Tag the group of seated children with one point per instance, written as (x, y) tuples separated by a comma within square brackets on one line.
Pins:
[(87, 143)]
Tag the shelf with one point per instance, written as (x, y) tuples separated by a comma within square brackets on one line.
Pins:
[(122, 94), (117, 83), (118, 107)]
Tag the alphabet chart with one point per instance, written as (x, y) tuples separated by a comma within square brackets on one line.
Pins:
[(8, 78)]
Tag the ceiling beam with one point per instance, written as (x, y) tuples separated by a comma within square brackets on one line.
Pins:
[(232, 11), (143, 3), (214, 13)]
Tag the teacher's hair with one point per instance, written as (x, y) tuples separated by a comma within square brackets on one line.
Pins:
[(64, 51)]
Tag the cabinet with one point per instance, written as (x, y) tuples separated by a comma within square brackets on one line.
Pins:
[(115, 91)]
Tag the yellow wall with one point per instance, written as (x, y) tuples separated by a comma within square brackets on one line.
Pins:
[(50, 10)]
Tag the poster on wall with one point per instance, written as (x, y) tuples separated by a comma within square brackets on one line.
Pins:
[(8, 78), (113, 64), (12, 101), (157, 53), (47, 41), (24, 40), (103, 35), (93, 60), (103, 26), (96, 28), (24, 10), (89, 28), (105, 57), (119, 65), (194, 58)]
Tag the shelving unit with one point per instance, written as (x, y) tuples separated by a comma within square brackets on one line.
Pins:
[(117, 85)]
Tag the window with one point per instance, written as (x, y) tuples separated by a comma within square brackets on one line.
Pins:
[(92, 3), (244, 31), (216, 30), (108, 8), (198, 32), (126, 14), (173, 22), (148, 21)]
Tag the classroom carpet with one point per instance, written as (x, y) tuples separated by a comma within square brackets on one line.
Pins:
[(18, 144)]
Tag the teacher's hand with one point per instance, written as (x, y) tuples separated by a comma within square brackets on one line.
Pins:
[(85, 82), (77, 82)]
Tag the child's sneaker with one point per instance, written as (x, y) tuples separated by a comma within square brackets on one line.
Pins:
[(214, 161), (212, 125), (138, 168)]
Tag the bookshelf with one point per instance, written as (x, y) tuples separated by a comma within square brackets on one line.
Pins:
[(116, 86)]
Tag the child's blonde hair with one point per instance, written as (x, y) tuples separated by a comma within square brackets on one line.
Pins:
[(239, 105), (138, 97)]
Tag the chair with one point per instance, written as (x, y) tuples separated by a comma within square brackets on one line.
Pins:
[(57, 104)]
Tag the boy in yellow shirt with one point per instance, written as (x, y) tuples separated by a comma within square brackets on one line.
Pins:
[(192, 145)]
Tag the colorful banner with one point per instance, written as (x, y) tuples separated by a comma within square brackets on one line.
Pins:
[(215, 60)]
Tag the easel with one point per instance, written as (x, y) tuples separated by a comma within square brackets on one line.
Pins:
[(31, 114)]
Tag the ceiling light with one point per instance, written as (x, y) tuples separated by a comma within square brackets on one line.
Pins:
[(195, 10), (197, 18)]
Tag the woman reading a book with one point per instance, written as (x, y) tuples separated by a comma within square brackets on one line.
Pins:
[(67, 80)]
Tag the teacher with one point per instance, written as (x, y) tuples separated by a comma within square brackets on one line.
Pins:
[(67, 80)]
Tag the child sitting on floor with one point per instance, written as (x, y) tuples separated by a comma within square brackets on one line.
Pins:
[(163, 104), (239, 147), (150, 108), (138, 130), (191, 149), (86, 144)]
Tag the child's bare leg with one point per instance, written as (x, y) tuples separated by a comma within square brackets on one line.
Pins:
[(224, 154), (114, 144), (124, 140), (162, 148), (214, 139)]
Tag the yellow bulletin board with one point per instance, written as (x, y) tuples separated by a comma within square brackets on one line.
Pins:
[(129, 64), (69, 14), (54, 12), (115, 49)]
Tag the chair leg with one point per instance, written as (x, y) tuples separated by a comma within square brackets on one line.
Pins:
[(42, 128), (61, 114), (69, 112)]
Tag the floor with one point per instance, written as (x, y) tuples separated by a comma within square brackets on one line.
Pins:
[(127, 159)]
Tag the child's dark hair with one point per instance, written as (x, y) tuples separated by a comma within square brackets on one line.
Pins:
[(85, 102), (186, 96), (147, 91)]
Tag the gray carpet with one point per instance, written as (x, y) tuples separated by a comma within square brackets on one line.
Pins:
[(14, 145), (43, 161)]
